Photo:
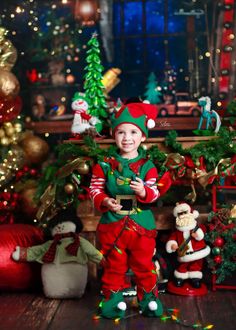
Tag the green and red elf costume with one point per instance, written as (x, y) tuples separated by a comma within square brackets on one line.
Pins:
[(127, 237)]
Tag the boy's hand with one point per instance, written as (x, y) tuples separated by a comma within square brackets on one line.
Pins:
[(112, 204), (138, 187)]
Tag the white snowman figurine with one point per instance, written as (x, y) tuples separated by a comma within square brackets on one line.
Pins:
[(82, 119), (64, 258)]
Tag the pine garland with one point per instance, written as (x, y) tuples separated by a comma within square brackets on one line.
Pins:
[(221, 237)]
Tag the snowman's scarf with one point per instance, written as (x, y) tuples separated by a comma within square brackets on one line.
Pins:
[(71, 248)]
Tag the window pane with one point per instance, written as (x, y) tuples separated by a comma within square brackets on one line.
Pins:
[(155, 16), (177, 51), (155, 54), (133, 84), (133, 54), (116, 19), (118, 53), (176, 22), (133, 17)]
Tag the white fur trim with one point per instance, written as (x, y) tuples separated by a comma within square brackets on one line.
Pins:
[(152, 306), (195, 274), (195, 214), (195, 255), (183, 276), (200, 234), (151, 123), (181, 207), (122, 306), (146, 101), (168, 246)]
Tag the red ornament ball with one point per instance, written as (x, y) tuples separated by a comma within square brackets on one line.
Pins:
[(10, 109), (218, 259), (219, 242)]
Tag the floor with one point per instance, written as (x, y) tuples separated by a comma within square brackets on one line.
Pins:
[(32, 311)]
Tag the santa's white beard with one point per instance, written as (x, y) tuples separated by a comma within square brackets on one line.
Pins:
[(185, 220)]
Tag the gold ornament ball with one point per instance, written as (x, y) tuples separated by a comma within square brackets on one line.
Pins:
[(83, 168), (36, 149), (2, 133), (18, 127), (5, 141), (10, 131), (9, 85), (69, 188), (27, 203)]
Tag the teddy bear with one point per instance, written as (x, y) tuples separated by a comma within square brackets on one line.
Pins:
[(64, 258), (188, 241)]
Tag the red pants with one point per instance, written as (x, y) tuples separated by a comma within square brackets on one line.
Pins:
[(191, 269), (133, 251)]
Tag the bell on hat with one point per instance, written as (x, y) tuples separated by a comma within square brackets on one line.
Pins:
[(142, 115), (182, 208)]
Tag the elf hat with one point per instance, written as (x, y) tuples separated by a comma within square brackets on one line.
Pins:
[(184, 207), (142, 115)]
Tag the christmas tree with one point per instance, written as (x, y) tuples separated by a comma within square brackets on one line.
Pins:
[(221, 235), (21, 153), (94, 89), (152, 94)]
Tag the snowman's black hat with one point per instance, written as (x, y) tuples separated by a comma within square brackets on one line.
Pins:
[(66, 215)]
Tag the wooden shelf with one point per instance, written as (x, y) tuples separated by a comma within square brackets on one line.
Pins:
[(51, 127), (162, 124)]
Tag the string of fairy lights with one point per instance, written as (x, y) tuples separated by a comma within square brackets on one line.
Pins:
[(38, 19)]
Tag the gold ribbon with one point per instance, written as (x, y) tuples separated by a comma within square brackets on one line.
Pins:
[(203, 176), (69, 168)]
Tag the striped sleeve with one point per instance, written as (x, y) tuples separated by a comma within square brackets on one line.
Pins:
[(152, 193), (97, 188)]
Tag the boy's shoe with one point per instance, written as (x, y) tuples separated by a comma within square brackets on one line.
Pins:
[(114, 307), (150, 305)]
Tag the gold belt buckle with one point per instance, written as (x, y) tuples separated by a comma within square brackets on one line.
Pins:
[(126, 201)]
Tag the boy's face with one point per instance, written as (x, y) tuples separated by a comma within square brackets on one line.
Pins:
[(128, 138)]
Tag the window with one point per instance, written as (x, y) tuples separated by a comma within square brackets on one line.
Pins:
[(150, 35)]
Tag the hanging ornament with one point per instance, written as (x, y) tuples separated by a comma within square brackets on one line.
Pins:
[(218, 259), (9, 109), (28, 206), (87, 12), (216, 251), (36, 149), (83, 168), (9, 85), (219, 242), (69, 188)]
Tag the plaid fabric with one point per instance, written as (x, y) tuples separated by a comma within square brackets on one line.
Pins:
[(71, 248)]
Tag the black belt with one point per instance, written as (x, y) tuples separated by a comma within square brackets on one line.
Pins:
[(191, 252), (131, 204)]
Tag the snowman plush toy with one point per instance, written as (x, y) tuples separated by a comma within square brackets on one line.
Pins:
[(64, 258), (82, 121)]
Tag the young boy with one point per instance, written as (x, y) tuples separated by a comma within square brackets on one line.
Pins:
[(121, 188)]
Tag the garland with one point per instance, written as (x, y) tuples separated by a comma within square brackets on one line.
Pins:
[(221, 236), (68, 184)]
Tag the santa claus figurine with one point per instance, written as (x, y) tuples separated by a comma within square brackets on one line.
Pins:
[(188, 241), (82, 121)]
